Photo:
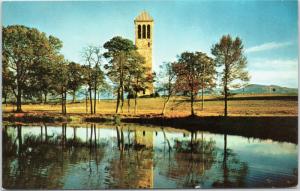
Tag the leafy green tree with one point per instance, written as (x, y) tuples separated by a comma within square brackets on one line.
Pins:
[(7, 81), (75, 79), (230, 58), (167, 82), (61, 82), (118, 50), (23, 49)]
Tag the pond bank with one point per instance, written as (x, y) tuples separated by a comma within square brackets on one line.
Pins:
[(274, 127)]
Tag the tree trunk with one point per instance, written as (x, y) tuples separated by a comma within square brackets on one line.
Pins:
[(91, 100), (5, 99), (95, 100), (225, 100), (62, 101), (65, 102), (225, 89), (19, 100), (118, 100), (86, 102), (122, 98), (165, 105), (135, 102), (202, 92), (45, 99), (128, 104), (74, 96), (192, 103)]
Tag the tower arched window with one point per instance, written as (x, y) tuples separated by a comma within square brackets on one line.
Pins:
[(144, 31), (139, 31), (148, 31)]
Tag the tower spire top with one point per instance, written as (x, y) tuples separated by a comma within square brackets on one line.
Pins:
[(143, 16)]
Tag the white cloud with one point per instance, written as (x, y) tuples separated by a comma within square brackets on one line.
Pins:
[(281, 78), (274, 64), (268, 46), (282, 72)]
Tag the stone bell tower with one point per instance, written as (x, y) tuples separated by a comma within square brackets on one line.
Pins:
[(143, 41)]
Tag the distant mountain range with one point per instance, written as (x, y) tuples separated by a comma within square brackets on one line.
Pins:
[(249, 89), (261, 89)]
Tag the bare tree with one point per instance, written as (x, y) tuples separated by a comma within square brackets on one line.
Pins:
[(94, 75), (167, 82)]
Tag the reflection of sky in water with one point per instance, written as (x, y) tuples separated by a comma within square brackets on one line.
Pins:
[(267, 160)]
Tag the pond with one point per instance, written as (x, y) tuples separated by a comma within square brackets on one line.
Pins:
[(99, 156)]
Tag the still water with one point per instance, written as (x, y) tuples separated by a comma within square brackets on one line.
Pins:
[(98, 156)]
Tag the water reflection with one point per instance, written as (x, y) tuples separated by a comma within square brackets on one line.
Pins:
[(234, 171), (94, 156)]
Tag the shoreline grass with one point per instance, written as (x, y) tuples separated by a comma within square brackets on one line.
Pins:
[(239, 105)]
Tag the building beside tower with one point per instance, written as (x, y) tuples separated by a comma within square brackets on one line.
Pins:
[(144, 41)]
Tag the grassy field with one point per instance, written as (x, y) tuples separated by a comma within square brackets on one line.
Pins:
[(239, 105)]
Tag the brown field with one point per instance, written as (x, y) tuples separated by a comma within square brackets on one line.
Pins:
[(240, 105)]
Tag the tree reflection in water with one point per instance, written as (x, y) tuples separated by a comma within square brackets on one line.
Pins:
[(192, 158), (234, 171), (126, 156), (33, 162)]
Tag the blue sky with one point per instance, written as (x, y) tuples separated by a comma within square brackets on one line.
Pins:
[(268, 29)]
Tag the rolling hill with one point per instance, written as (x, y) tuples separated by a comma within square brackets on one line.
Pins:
[(261, 89)]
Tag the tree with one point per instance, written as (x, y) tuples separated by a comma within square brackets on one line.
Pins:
[(229, 57), (23, 49), (139, 76), (75, 79), (7, 81), (118, 49), (42, 76), (207, 73), (94, 75), (97, 82), (193, 71), (61, 81), (167, 82)]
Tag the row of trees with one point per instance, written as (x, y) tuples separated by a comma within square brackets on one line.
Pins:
[(195, 71), (34, 68)]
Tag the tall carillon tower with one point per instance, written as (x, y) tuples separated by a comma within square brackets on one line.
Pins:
[(143, 40)]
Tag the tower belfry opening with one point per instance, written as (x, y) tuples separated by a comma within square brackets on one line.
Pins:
[(144, 41)]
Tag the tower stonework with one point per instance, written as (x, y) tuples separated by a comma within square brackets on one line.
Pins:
[(143, 41)]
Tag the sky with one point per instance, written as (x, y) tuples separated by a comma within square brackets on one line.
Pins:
[(268, 29)]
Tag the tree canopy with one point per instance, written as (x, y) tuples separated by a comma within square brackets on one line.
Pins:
[(230, 58)]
